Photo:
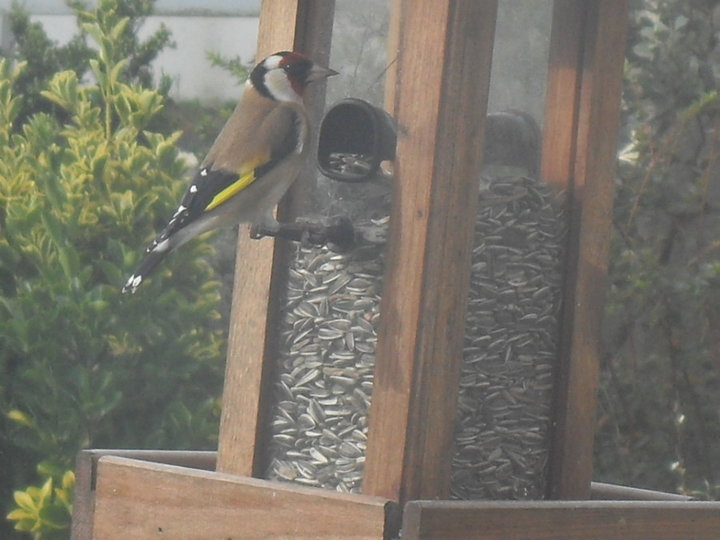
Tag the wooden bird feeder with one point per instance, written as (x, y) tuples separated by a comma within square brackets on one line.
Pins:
[(436, 89)]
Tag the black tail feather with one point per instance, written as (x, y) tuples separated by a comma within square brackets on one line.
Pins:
[(144, 269)]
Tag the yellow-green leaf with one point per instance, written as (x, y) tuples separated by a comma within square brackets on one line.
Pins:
[(55, 517), (25, 501), (19, 514), (20, 417), (46, 492), (25, 525), (68, 480)]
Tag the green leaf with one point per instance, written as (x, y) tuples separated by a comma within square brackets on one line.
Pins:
[(94, 31), (45, 492), (20, 417), (25, 525), (68, 261), (117, 30), (54, 228), (25, 501), (64, 497), (68, 480), (55, 516), (50, 469), (117, 70), (63, 90), (19, 514), (98, 72)]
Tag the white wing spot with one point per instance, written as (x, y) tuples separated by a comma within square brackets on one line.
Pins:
[(134, 282), (193, 188), (203, 172), (179, 211), (161, 246)]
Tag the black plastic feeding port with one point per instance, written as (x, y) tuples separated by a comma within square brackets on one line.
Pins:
[(355, 137)]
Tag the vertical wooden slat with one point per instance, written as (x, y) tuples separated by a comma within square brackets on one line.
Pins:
[(240, 417), (443, 72), (284, 25), (392, 48), (313, 35), (563, 93), (84, 498), (592, 158)]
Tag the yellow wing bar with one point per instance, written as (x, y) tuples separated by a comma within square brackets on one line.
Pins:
[(234, 188), (246, 177)]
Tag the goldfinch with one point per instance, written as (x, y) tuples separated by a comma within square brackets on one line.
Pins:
[(254, 160)]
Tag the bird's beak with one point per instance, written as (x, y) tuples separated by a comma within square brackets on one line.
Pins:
[(318, 73)]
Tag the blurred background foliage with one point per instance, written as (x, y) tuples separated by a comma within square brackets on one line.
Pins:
[(85, 182), (659, 417), (91, 166)]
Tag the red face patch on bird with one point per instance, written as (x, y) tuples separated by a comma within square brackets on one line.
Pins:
[(297, 67)]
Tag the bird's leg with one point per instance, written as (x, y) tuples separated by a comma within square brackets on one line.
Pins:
[(260, 230), (338, 233), (288, 231)]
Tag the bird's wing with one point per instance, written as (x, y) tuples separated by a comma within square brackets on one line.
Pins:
[(219, 180)]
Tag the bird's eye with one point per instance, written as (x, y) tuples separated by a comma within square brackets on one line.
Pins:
[(296, 69)]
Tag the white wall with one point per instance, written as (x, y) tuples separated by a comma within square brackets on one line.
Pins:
[(235, 7), (187, 63)]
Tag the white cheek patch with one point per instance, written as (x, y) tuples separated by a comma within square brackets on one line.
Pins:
[(272, 62), (279, 86)]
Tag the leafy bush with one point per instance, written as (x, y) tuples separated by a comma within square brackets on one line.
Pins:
[(83, 366), (661, 383), (45, 511)]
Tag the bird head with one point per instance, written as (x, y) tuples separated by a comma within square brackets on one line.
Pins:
[(284, 75)]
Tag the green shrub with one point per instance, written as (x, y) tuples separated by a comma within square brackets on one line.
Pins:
[(660, 383), (45, 511), (81, 365)]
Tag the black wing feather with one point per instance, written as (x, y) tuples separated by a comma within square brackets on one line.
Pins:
[(204, 186), (208, 182)]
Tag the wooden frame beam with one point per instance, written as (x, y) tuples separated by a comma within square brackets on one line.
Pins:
[(83, 511), (581, 127), (579, 520), (141, 500), (443, 73), (303, 25)]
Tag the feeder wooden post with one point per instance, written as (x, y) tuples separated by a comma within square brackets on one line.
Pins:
[(442, 76), (303, 25), (581, 126)]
